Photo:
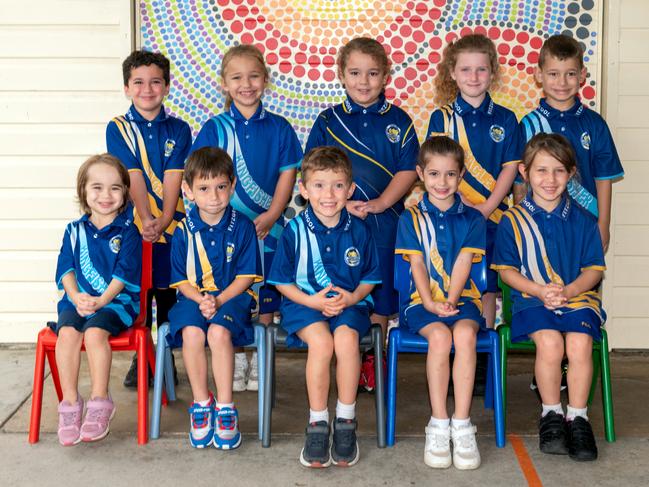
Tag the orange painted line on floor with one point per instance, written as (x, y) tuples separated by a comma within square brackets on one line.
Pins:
[(524, 461)]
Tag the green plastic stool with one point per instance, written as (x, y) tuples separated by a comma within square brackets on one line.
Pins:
[(601, 364)]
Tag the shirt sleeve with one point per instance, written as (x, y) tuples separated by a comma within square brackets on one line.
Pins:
[(607, 163), (181, 149), (128, 267), (318, 134), (505, 251), (117, 146), (65, 261), (371, 273), (409, 147), (476, 238), (435, 124), (592, 252), (290, 149), (283, 269), (248, 262), (407, 242), (179, 257), (515, 142), (205, 138)]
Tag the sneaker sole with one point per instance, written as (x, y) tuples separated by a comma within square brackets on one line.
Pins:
[(344, 463), (589, 458), (200, 445), (76, 442), (437, 463), (316, 464), (253, 385), (466, 466), (553, 449), (239, 385), (104, 434), (226, 446)]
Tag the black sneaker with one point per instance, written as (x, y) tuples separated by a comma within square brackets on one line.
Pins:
[(344, 448), (581, 440), (553, 434), (130, 379), (315, 453)]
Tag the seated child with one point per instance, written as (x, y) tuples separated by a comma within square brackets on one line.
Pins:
[(549, 251), (99, 268), (441, 237), (214, 261), (326, 266)]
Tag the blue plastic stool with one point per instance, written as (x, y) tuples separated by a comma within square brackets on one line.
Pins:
[(402, 340)]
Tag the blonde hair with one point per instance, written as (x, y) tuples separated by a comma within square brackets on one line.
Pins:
[(368, 46), (445, 86), (82, 180), (242, 50)]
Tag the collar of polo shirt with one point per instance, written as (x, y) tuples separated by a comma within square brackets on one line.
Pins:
[(134, 115), (425, 205), (461, 106), (196, 224), (551, 112), (121, 220), (381, 106), (316, 226), (561, 211), (259, 114)]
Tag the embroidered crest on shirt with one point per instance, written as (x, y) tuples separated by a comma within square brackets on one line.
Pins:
[(115, 243), (393, 133), (497, 133), (169, 147), (585, 140), (229, 252), (352, 257)]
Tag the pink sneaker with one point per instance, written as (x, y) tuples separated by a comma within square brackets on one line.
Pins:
[(99, 412), (70, 422)]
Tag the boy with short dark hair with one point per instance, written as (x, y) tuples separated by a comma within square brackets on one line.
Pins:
[(326, 266), (153, 147)]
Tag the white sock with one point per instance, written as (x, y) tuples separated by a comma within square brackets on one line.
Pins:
[(439, 423), (460, 423), (552, 407), (221, 405), (574, 412), (315, 416), (345, 411), (203, 403)]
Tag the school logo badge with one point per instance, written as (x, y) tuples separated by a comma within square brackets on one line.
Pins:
[(585, 140), (497, 133), (393, 133), (169, 147), (229, 252), (352, 257), (115, 243)]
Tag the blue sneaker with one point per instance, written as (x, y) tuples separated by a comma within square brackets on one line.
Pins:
[(201, 424), (226, 431)]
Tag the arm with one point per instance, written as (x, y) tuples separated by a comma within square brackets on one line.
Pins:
[(459, 275), (394, 192), (114, 288), (550, 294), (520, 191), (604, 190), (586, 281), (281, 197), (318, 301), (348, 299), (502, 189), (170, 194), (84, 303), (139, 195), (422, 283)]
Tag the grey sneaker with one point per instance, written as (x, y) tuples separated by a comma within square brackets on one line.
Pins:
[(344, 448), (253, 374), (315, 453), (240, 372)]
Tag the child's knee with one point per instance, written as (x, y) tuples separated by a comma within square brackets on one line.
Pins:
[(464, 338), (95, 337), (579, 346), (346, 339), (68, 336), (549, 344), (193, 337), (440, 340), (219, 336), (322, 347)]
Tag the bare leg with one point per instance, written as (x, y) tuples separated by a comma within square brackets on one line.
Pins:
[(464, 339), (547, 367), (579, 347), (68, 359), (220, 341), (348, 363), (195, 361), (99, 360), (489, 309), (321, 348), (439, 340)]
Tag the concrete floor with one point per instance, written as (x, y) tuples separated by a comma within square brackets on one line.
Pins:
[(118, 460)]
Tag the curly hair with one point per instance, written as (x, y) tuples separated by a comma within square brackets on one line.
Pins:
[(366, 45)]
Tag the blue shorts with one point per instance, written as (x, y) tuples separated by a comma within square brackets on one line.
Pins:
[(269, 299), (105, 319), (492, 276), (296, 317), (161, 264), (537, 318), (385, 297), (234, 315), (417, 316)]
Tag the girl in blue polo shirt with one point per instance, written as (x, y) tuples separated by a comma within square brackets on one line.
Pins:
[(549, 251), (441, 237), (266, 153), (99, 269)]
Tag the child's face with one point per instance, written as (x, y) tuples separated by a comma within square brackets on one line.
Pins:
[(363, 78), (147, 89), (211, 195), (105, 192), (548, 178), (473, 76), (244, 80), (561, 81), (441, 178), (327, 191)]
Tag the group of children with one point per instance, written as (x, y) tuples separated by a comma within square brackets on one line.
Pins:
[(329, 271)]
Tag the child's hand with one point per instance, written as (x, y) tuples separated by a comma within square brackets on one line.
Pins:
[(334, 306), (347, 298), (481, 208), (375, 206), (357, 208), (149, 230), (443, 310), (85, 304), (208, 306), (552, 295), (263, 223), (320, 301)]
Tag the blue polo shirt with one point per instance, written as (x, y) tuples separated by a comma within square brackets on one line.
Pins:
[(97, 256), (261, 148), (491, 140), (591, 139), (380, 140), (549, 247), (211, 257), (440, 237), (151, 148), (312, 256)]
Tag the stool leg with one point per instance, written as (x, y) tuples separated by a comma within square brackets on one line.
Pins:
[(379, 394), (391, 412), (268, 385), (37, 394), (260, 341), (607, 392), (142, 387), (156, 401)]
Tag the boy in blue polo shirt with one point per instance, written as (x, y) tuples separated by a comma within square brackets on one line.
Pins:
[(214, 261), (326, 266), (561, 72), (153, 147)]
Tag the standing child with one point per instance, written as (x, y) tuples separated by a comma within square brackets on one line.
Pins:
[(441, 237), (153, 147), (549, 251), (381, 142), (214, 261), (561, 72), (266, 153), (326, 266), (99, 269)]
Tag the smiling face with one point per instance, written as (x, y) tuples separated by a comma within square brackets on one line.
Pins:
[(327, 192), (363, 78), (212, 195), (441, 177), (244, 80), (548, 179), (473, 76), (561, 80), (147, 88), (105, 193)]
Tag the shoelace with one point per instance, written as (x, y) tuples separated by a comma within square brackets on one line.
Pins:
[(466, 441), (440, 441), (344, 437), (97, 415), (70, 419), (200, 419), (226, 421), (317, 440)]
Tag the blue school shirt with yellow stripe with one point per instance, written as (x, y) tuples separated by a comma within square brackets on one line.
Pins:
[(439, 237), (312, 255), (591, 139), (261, 148), (490, 138), (97, 256), (380, 140), (152, 148), (210, 257), (547, 247)]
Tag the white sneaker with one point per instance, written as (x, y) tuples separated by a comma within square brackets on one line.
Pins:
[(465, 448), (437, 452), (240, 372), (253, 374)]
